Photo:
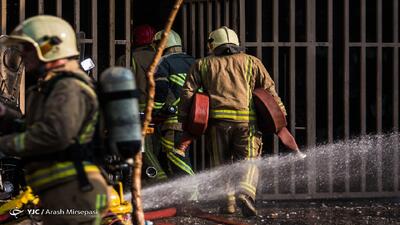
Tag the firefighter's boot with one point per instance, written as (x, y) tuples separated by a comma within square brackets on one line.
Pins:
[(247, 205)]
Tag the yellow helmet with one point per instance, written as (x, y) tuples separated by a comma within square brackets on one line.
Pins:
[(173, 39), (52, 37), (221, 36)]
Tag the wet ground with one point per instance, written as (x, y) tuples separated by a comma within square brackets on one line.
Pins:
[(348, 212)]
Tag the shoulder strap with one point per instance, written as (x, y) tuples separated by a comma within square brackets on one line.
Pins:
[(52, 83)]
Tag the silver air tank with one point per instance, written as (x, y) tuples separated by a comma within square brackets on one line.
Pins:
[(119, 100)]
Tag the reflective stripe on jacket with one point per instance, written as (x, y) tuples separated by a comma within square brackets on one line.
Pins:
[(229, 80)]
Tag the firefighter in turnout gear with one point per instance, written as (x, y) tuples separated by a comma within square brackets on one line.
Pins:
[(170, 77), (61, 113), (142, 56), (229, 76)]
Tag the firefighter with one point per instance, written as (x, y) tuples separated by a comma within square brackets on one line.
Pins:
[(142, 56), (229, 76), (169, 78), (61, 113)]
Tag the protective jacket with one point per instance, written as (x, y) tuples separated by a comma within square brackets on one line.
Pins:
[(169, 78), (58, 115), (229, 81), (141, 60)]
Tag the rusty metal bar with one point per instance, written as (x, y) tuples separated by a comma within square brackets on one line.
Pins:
[(396, 92), (3, 17), (330, 90), (94, 38), (22, 11), (288, 44), (227, 13), (310, 93), (201, 29), (217, 14), (59, 8), (363, 91), (192, 9), (40, 7), (77, 15), (111, 31), (128, 44), (292, 87), (184, 26), (242, 22), (379, 94)]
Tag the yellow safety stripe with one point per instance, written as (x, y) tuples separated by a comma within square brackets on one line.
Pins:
[(19, 142), (181, 164), (167, 143), (158, 105), (176, 102), (249, 188), (233, 114), (88, 130), (250, 174), (87, 88), (179, 78), (171, 120), (56, 172), (134, 66)]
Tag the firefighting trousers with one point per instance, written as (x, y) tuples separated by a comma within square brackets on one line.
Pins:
[(66, 204), (231, 142), (174, 164), (152, 150)]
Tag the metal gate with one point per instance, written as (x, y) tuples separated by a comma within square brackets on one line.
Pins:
[(328, 68), (337, 74)]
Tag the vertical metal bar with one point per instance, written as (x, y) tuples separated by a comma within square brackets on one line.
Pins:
[(292, 86), (184, 26), (292, 67), (128, 45), (234, 22), (22, 85), (3, 16), (310, 92), (396, 93), (242, 24), (77, 15), (259, 28), (201, 28), (59, 8), (218, 14), (379, 94), (275, 77), (203, 152), (227, 13), (21, 10), (94, 38), (111, 28), (192, 8), (363, 95), (276, 50), (40, 7), (209, 16), (346, 94), (330, 90), (395, 66)]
